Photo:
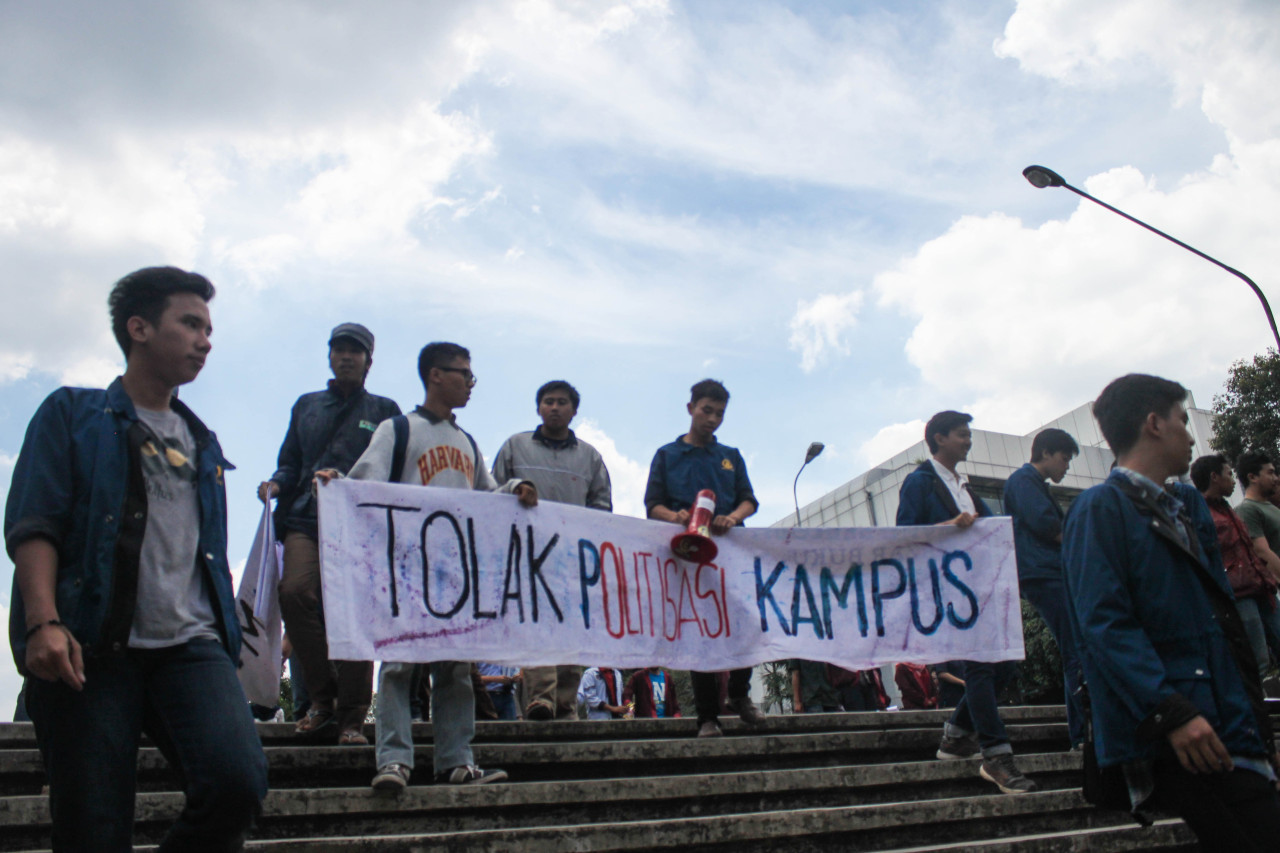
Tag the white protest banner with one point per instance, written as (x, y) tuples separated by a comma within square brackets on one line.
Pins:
[(259, 610), (422, 574)]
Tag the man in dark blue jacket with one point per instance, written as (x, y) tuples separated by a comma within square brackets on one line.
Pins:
[(693, 462), (1177, 707), (936, 493), (123, 618), (1037, 535), (327, 429)]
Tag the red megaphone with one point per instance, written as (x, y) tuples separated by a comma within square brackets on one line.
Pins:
[(695, 544)]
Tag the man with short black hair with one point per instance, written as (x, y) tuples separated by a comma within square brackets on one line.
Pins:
[(1177, 707), (937, 493), (123, 618), (568, 470), (1037, 536), (680, 469), (327, 429), (1253, 586), (435, 452), (1258, 475)]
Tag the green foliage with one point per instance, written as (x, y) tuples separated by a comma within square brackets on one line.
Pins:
[(1248, 410), (286, 698), (777, 687), (1042, 670)]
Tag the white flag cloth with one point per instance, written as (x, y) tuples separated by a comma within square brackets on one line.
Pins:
[(258, 606), (421, 574)]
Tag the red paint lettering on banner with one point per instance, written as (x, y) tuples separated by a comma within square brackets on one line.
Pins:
[(716, 597), (620, 575)]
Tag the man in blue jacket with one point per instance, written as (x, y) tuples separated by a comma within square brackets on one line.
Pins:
[(1177, 707), (327, 429), (1037, 535), (936, 493), (123, 617)]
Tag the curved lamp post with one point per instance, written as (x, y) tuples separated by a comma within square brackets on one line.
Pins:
[(1040, 177), (811, 454)]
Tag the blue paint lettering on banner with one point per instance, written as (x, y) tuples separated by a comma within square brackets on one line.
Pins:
[(961, 556), (585, 580), (764, 593), (877, 597), (889, 579)]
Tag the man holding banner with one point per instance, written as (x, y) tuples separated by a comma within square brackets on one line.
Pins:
[(936, 493), (428, 448), (681, 469), (567, 470), (327, 429)]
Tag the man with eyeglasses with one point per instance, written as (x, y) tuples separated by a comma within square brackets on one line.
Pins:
[(435, 451)]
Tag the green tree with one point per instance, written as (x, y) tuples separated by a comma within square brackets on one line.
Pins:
[(1248, 410)]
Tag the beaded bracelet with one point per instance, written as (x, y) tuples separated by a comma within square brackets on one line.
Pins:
[(31, 632)]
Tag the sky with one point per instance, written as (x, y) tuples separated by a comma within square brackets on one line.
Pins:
[(820, 204)]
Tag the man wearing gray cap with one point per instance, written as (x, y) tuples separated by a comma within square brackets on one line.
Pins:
[(327, 429)]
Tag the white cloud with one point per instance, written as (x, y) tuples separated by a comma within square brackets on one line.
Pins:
[(1225, 54), (889, 441), (628, 476), (819, 327)]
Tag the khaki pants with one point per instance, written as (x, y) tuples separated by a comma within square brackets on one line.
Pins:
[(345, 687), (555, 687)]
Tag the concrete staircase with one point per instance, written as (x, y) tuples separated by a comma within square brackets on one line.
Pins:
[(821, 782)]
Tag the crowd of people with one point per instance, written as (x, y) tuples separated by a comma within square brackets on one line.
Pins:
[(1160, 597)]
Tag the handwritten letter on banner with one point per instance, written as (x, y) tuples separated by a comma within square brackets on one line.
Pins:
[(422, 574)]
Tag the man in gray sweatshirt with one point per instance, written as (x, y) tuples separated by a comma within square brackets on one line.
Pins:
[(438, 453), (567, 470)]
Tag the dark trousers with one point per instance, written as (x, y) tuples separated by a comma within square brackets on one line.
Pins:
[(1236, 812), (346, 687), (1049, 598), (188, 700), (978, 711), (706, 691)]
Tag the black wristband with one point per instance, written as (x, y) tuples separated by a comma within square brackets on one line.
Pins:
[(31, 632)]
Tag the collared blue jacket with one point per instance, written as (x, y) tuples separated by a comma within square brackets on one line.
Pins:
[(680, 470), (1037, 523), (1154, 655), (78, 483), (925, 499)]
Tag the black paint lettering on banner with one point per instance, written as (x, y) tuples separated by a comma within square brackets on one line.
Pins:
[(462, 561), (391, 545), (889, 579)]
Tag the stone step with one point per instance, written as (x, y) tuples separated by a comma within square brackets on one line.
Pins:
[(1033, 823), (353, 766), (441, 809)]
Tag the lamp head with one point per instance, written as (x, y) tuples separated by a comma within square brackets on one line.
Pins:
[(814, 450), (1040, 177)]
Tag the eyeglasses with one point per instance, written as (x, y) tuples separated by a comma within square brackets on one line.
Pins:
[(466, 374)]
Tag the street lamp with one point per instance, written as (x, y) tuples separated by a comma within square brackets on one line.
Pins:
[(811, 454), (1040, 177)]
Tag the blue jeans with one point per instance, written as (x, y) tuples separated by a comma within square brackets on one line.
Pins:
[(188, 700), (453, 714), (505, 705), (978, 711), (1049, 598)]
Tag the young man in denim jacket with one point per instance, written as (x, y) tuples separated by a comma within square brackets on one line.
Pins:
[(123, 616)]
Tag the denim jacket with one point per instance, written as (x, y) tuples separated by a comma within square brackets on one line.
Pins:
[(1037, 522), (925, 499), (1153, 651), (78, 483)]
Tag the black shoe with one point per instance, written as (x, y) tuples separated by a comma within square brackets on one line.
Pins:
[(469, 774), (1001, 770), (956, 748), (747, 711), (538, 711)]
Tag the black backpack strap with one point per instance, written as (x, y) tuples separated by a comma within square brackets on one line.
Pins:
[(400, 423), (475, 454)]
